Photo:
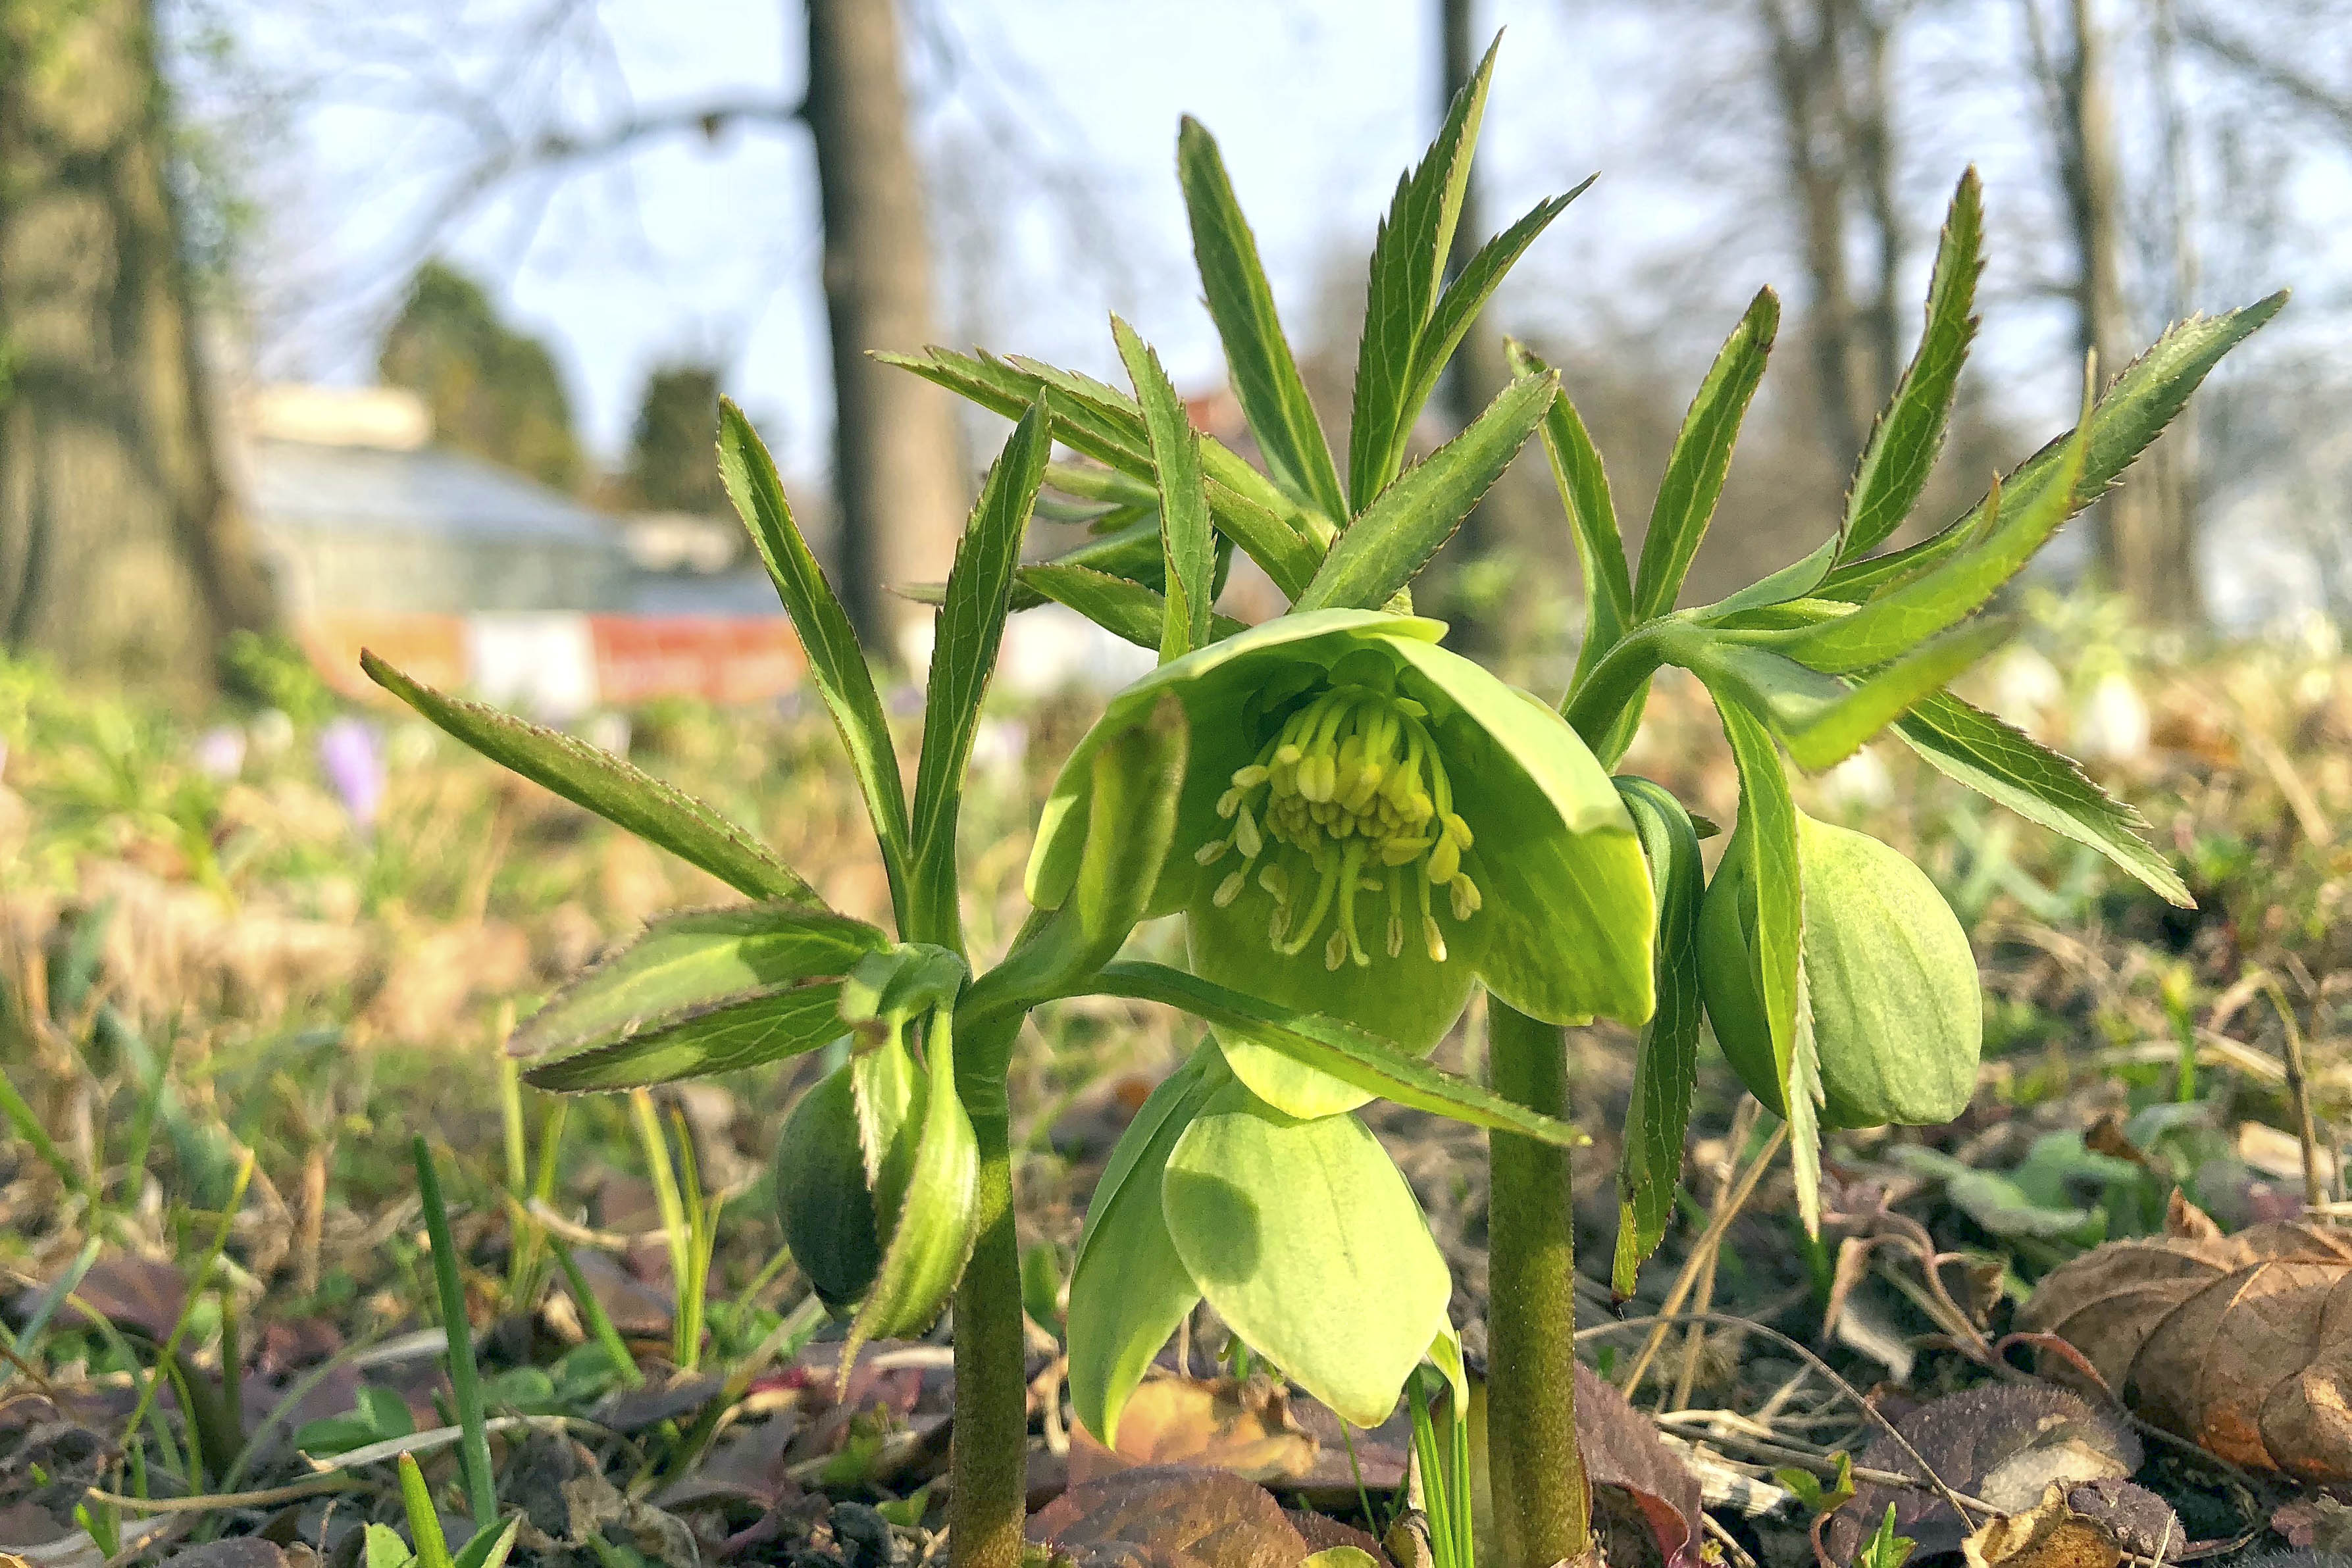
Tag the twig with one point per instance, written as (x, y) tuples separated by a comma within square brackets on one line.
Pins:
[(1708, 1240), (1743, 1123), (2298, 1092), (1733, 1552), (1951, 1499), (267, 1497)]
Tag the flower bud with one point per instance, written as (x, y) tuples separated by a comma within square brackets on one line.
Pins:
[(1896, 1013), (822, 1198)]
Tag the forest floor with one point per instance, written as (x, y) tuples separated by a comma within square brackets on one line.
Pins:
[(245, 961)]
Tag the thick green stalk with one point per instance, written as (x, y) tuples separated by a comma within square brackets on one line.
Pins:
[(989, 1466), (1613, 689), (1543, 1513)]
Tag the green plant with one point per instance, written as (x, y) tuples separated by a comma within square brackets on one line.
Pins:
[(1359, 828), (1327, 744)]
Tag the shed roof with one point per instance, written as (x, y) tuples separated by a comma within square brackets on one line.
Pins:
[(428, 490)]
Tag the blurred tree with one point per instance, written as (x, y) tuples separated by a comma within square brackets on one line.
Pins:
[(120, 552), (494, 391), (670, 463)]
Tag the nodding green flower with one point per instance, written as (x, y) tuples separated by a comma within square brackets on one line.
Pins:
[(1371, 825)]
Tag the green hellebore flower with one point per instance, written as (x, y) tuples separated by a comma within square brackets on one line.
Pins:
[(1371, 824)]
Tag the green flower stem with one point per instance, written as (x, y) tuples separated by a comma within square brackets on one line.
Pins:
[(1543, 1512), (989, 1466), (1598, 708)]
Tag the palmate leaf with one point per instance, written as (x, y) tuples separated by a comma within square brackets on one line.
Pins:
[(2038, 784), (617, 790), (1104, 424), (963, 656), (836, 662), (1767, 836), (692, 960), (1119, 605), (1187, 548), (1665, 1066), (1401, 290), (1342, 1050), (1903, 444), (1583, 482), (1266, 376), (1403, 527), (2133, 413), (1701, 457)]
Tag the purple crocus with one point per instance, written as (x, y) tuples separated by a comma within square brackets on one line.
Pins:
[(352, 762)]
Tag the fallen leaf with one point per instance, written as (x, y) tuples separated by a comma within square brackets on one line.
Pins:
[(1635, 1477), (2048, 1535), (138, 1294), (2241, 1344), (2007, 1444), (1228, 1423), (1170, 1516)]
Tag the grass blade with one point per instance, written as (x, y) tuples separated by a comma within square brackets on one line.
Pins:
[(836, 662), (464, 1379)]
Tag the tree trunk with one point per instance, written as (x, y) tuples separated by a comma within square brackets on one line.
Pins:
[(120, 553), (2145, 548), (898, 489)]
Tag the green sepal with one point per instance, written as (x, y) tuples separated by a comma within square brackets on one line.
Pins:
[(1665, 1063), (617, 790), (1305, 1240), (682, 962), (1129, 1288)]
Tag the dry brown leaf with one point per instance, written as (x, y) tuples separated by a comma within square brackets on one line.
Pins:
[(1634, 1477), (2050, 1535), (1169, 1516), (2006, 1444), (1228, 1423), (2241, 1344)]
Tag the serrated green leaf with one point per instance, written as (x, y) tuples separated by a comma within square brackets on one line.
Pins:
[(693, 961), (2134, 413), (1266, 376), (1701, 457), (1583, 482), (1665, 1064), (2038, 784), (1134, 783), (1909, 434), (1768, 838), (1401, 290), (1104, 424), (1128, 1289), (939, 1220), (1822, 719), (1394, 538), (836, 662), (1187, 552), (1459, 306), (617, 790), (1905, 617), (1342, 1050), (750, 1030), (1119, 605), (970, 628)]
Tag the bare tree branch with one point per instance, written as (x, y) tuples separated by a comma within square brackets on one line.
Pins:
[(2330, 103)]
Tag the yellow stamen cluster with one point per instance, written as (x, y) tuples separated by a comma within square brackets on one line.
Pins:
[(1349, 797)]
